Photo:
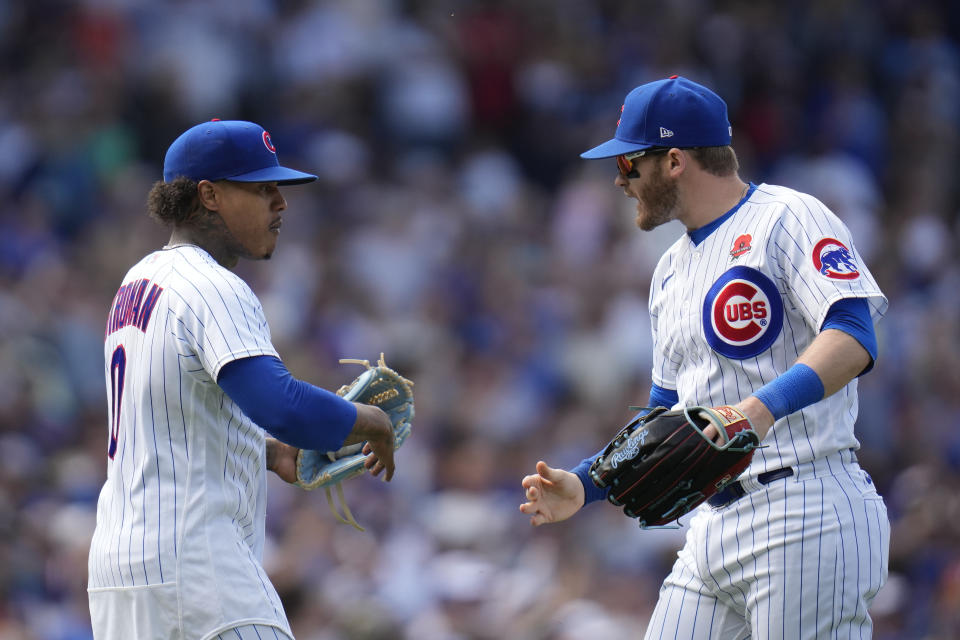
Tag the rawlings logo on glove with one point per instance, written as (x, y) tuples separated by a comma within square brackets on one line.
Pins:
[(630, 451), (661, 466), (380, 386)]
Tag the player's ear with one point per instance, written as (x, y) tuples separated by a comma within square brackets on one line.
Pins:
[(209, 197), (676, 161)]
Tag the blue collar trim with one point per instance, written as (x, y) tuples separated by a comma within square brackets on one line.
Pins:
[(699, 235)]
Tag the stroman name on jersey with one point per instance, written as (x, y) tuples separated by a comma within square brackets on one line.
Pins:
[(133, 305)]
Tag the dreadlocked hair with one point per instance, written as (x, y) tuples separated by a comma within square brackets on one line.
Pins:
[(174, 203)]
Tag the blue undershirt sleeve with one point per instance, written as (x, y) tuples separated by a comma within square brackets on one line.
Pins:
[(659, 397), (292, 411), (852, 316)]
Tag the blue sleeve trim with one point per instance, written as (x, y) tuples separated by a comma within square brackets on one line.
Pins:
[(798, 387), (852, 316), (659, 397), (293, 411)]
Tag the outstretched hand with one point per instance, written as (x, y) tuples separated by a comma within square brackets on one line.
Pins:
[(552, 495)]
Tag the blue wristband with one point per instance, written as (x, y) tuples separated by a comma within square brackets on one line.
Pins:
[(798, 387), (591, 492)]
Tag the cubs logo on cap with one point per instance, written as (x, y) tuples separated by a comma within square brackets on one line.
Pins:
[(268, 143), (832, 258), (742, 313)]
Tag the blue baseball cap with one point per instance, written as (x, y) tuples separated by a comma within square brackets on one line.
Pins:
[(673, 112), (228, 150)]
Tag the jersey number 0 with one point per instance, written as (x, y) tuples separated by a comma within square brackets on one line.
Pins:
[(118, 366)]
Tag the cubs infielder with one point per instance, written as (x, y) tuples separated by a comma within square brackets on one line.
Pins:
[(763, 304), (192, 376)]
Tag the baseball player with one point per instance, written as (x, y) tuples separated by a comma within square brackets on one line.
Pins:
[(193, 382), (764, 304)]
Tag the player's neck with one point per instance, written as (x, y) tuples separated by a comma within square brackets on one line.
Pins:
[(710, 198), (213, 243)]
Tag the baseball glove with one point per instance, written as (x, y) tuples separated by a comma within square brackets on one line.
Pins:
[(380, 386), (661, 466)]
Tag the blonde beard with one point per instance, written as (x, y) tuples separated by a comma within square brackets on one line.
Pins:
[(660, 200)]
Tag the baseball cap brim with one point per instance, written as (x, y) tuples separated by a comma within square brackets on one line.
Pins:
[(280, 175), (614, 147)]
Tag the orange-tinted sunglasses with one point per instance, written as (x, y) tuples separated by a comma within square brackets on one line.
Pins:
[(625, 161)]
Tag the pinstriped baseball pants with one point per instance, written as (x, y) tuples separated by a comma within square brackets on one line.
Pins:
[(253, 632), (800, 558), (151, 612)]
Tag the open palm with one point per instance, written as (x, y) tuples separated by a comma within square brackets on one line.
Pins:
[(552, 495)]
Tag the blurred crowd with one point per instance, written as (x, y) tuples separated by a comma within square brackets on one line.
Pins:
[(455, 228)]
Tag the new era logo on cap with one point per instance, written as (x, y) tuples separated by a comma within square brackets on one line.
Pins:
[(673, 109)]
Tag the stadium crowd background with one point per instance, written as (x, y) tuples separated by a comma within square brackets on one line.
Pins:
[(456, 229)]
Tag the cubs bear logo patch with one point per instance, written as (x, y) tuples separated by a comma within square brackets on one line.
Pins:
[(742, 313), (831, 258)]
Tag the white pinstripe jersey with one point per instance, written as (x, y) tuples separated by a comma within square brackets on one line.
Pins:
[(184, 501), (735, 311)]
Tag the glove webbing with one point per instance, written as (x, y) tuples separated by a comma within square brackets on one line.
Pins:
[(347, 517)]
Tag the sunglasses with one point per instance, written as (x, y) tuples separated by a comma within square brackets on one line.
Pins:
[(625, 161)]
